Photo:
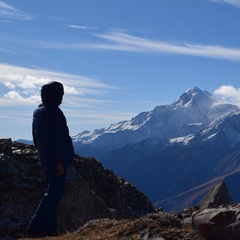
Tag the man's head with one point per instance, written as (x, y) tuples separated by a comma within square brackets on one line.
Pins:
[(52, 93)]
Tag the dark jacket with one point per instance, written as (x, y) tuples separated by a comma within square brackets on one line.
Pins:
[(51, 137)]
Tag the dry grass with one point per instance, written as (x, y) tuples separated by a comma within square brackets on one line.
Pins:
[(105, 229)]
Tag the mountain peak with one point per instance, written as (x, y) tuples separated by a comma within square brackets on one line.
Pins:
[(194, 90), (191, 112), (194, 96)]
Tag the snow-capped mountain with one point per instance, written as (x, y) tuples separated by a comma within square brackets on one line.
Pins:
[(167, 152), (193, 111)]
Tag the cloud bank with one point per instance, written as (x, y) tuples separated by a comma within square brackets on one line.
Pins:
[(21, 85), (229, 94)]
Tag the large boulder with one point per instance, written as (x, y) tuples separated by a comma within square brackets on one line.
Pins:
[(218, 223), (217, 218), (92, 192)]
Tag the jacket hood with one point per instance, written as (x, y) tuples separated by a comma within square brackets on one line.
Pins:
[(52, 93)]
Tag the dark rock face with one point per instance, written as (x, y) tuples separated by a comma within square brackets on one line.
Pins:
[(95, 192), (21, 186), (92, 192)]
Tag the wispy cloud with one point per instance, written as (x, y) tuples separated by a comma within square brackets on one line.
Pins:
[(235, 3), (119, 41), (9, 12), (81, 27), (22, 85), (138, 44), (229, 93)]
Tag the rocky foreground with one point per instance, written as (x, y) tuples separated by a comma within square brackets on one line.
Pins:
[(99, 205), (154, 226)]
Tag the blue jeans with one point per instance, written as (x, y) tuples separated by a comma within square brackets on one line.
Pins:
[(44, 220)]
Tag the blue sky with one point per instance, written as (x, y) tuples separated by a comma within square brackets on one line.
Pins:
[(115, 58)]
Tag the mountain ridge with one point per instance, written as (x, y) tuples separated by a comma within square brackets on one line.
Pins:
[(171, 149), (193, 111)]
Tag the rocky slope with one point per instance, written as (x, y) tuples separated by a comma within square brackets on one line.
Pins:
[(98, 205), (92, 192), (212, 220)]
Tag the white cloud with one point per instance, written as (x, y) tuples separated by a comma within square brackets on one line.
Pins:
[(13, 95), (9, 12), (231, 2), (229, 93), (120, 41), (6, 6), (13, 77), (136, 44), (9, 85), (82, 27), (15, 99), (70, 90), (25, 85)]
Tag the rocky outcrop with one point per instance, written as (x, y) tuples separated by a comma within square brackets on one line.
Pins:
[(217, 218), (92, 192), (218, 196)]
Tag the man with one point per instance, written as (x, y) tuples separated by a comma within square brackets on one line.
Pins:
[(55, 149)]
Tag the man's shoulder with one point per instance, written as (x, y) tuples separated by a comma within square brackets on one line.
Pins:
[(38, 109)]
